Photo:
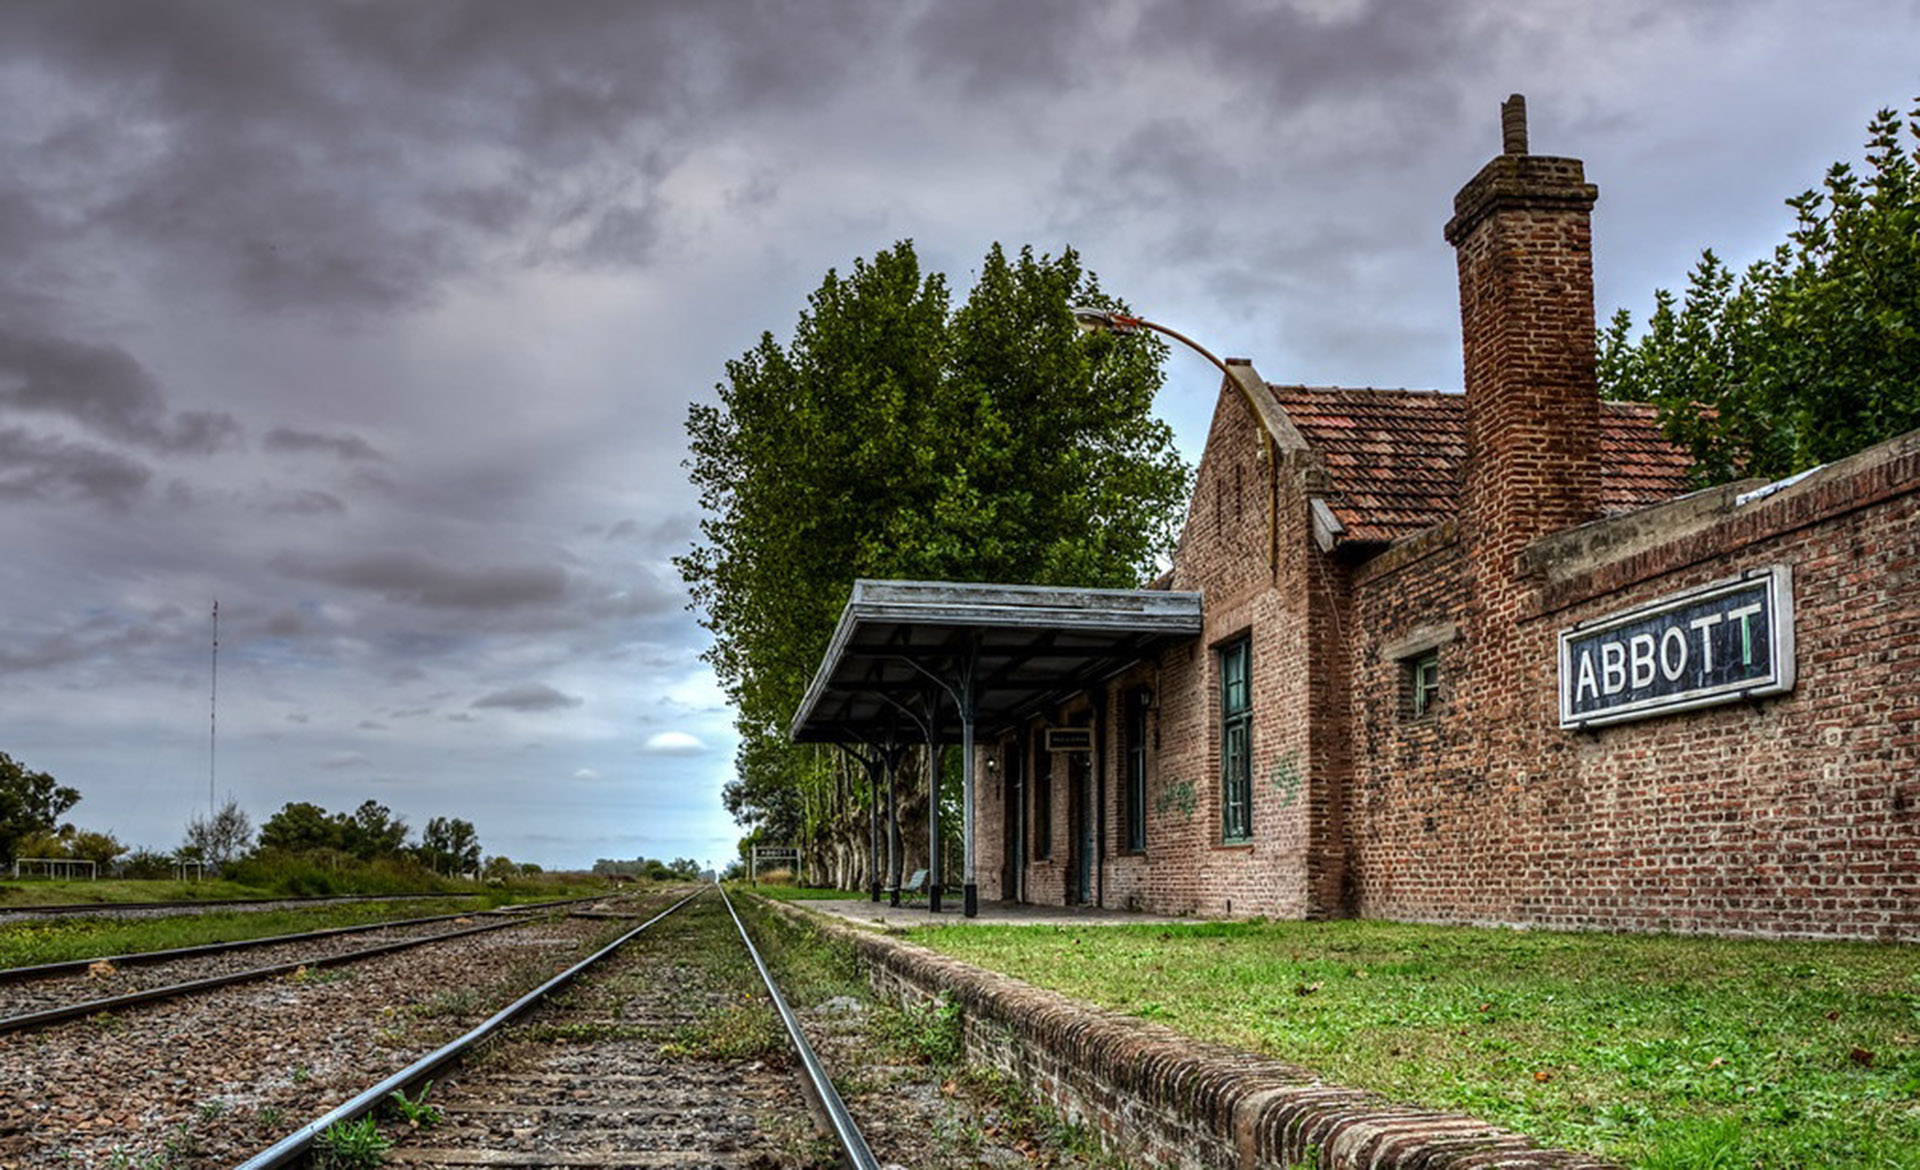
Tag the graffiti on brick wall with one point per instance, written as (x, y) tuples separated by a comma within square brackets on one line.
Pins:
[(1178, 795), (1283, 776)]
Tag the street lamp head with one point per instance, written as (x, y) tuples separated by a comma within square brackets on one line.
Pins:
[(1092, 319)]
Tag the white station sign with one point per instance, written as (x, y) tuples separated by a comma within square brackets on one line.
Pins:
[(1719, 643)]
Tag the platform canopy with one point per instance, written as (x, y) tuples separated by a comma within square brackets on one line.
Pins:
[(906, 652)]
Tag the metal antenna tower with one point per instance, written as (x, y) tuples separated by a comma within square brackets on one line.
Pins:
[(213, 707)]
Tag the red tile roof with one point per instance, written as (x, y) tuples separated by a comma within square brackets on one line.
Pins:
[(1394, 455)]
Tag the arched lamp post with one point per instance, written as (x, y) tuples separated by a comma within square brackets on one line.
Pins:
[(1096, 320), (1093, 319)]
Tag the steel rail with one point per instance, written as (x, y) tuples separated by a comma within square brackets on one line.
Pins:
[(295, 1145), (138, 958), (173, 991), (818, 1082), (144, 958)]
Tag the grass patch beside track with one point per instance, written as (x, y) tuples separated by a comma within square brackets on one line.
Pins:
[(1659, 1050), (57, 940), (804, 893), (41, 892)]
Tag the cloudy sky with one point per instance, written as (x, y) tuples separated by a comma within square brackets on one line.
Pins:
[(379, 321)]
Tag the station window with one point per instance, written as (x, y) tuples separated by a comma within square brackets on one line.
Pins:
[(1423, 684), (1135, 760), (1236, 741), (1042, 805)]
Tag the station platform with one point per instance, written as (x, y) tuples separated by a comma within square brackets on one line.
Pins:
[(879, 915)]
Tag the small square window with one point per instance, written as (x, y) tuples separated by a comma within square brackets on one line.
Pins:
[(1423, 684)]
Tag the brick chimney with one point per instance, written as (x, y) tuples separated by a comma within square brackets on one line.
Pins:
[(1521, 230)]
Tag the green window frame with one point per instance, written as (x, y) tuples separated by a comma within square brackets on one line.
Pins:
[(1135, 760), (1236, 741), (1423, 684)]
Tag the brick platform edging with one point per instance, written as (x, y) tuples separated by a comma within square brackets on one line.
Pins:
[(1176, 1100)]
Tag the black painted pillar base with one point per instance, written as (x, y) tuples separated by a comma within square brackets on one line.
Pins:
[(933, 900), (893, 896), (876, 891), (971, 905)]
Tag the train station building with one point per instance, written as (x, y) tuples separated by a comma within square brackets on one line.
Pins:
[(1477, 657)]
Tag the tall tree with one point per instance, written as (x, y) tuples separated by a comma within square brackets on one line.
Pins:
[(30, 802), (897, 437), (221, 837), (449, 845), (1810, 354), (301, 827), (373, 831)]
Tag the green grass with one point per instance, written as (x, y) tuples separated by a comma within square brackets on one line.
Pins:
[(41, 892), (804, 893), (57, 940), (1655, 1050)]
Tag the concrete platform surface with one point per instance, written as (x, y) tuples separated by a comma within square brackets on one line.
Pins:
[(861, 912)]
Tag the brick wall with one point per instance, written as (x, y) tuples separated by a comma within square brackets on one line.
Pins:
[(1227, 553), (1795, 815)]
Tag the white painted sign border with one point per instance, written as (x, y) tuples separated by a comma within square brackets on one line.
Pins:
[(1779, 582)]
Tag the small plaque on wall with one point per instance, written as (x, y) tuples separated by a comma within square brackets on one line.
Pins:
[(1718, 643), (1069, 739)]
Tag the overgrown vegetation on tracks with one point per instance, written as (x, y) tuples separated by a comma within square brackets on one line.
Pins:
[(807, 893), (814, 968), (1660, 1050), (55, 940)]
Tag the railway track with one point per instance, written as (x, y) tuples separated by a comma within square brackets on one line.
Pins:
[(49, 993), (205, 1079), (70, 909), (653, 1042), (671, 1047)]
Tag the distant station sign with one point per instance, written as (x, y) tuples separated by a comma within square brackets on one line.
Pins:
[(1069, 739), (1718, 643)]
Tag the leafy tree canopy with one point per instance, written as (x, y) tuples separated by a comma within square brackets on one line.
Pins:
[(30, 802), (899, 437), (1810, 354), (71, 843), (368, 832), (449, 845)]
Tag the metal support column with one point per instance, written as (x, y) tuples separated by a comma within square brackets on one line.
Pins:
[(894, 857), (1100, 797), (875, 766), (970, 888), (936, 877)]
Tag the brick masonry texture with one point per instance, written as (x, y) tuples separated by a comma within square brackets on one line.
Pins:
[(1168, 1100), (1478, 527)]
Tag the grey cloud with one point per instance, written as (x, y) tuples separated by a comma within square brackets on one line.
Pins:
[(106, 635), (104, 389), (1299, 52), (285, 623), (300, 157), (528, 697), (409, 577), (671, 532), (350, 447), (305, 502), (994, 47), (35, 467), (369, 725), (341, 761)]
